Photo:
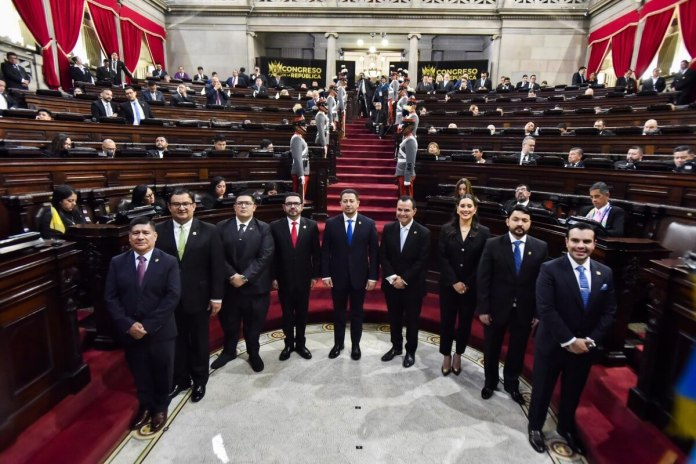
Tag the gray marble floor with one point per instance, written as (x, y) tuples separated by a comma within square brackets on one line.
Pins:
[(343, 411)]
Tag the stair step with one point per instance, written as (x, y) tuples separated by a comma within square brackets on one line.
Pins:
[(372, 162), (357, 169), (366, 178)]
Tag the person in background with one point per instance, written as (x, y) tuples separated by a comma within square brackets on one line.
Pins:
[(144, 196), (44, 115), (434, 149), (684, 160), (215, 194), (108, 149), (60, 143), (575, 158), (271, 189), (6, 100), (609, 216), (63, 213), (463, 187)]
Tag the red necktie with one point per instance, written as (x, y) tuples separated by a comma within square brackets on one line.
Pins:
[(293, 234)]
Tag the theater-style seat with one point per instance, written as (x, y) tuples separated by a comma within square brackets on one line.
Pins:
[(680, 238)]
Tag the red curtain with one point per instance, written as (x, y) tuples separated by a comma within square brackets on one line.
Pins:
[(597, 54), (33, 14), (687, 23), (104, 13), (622, 50), (131, 38), (67, 21), (653, 33), (156, 46)]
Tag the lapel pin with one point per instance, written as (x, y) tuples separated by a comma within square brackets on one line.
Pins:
[(529, 253), (194, 233), (414, 232), (359, 222), (599, 273), (304, 227), (250, 228), (157, 260)]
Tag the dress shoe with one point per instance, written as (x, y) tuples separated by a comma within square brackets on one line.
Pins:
[(355, 353), (303, 352), (573, 442), (389, 355), (223, 359), (536, 439), (198, 393), (409, 359), (335, 351), (487, 392), (178, 388), (457, 371), (256, 362), (516, 396), (159, 420), (141, 419), (285, 354)]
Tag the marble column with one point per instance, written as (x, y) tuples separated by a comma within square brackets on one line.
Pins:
[(413, 39), (495, 60), (330, 56), (251, 51)]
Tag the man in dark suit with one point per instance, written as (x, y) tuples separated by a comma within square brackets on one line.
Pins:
[(118, 67), (248, 248), (181, 96), (654, 82), (277, 82), (579, 78), (6, 100), (214, 93), (104, 106), (483, 82), (576, 306), (506, 280), (365, 90), (685, 83), (403, 254), (79, 72), (527, 156), (152, 94), (105, 73), (575, 158), (243, 78), (198, 248), (159, 72), (257, 75), (628, 82), (522, 198), (523, 84), (296, 269), (200, 77), (161, 148), (141, 294), (634, 157), (15, 75), (349, 264), (258, 89), (134, 110), (609, 216)]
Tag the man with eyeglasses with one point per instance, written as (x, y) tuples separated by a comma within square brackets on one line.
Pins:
[(198, 249), (296, 269), (248, 248)]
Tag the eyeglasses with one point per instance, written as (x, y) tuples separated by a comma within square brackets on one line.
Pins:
[(184, 204), (149, 195), (243, 203), (292, 204)]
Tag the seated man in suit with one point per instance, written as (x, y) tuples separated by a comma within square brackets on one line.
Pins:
[(651, 128), (654, 82), (105, 73), (134, 110), (152, 94), (505, 85), (234, 80), (142, 291), (258, 89), (15, 75), (108, 149), (483, 82), (628, 82), (684, 159), (6, 100), (633, 159), (575, 158), (159, 72), (181, 96), (579, 77), (160, 149), (527, 156), (43, 114), (200, 77), (523, 84), (425, 85), (599, 125), (104, 107), (533, 86), (214, 93), (181, 74), (277, 82), (684, 83), (522, 198), (608, 215), (79, 72)]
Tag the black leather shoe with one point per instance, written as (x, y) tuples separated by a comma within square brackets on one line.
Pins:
[(573, 442), (516, 396), (178, 388), (445, 372), (389, 355), (487, 392), (335, 351), (159, 420), (303, 352), (285, 354), (355, 353), (536, 439), (141, 419), (409, 359), (256, 362), (198, 393), (223, 359)]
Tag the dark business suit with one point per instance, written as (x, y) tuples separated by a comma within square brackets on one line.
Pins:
[(11, 103), (212, 96), (119, 67), (349, 267), (578, 79), (98, 109), (146, 95), (614, 223), (105, 74), (293, 269), (126, 111), (80, 75), (509, 298), (179, 98), (202, 269), (563, 316), (651, 83), (250, 255), (512, 202), (150, 359), (458, 261), (410, 263), (13, 75), (579, 164), (685, 84), (485, 84)]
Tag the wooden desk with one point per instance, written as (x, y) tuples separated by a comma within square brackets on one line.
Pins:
[(40, 355)]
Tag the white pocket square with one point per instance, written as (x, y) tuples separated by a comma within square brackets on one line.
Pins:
[(604, 287)]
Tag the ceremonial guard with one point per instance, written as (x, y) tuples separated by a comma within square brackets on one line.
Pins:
[(406, 158), (322, 122), (300, 158)]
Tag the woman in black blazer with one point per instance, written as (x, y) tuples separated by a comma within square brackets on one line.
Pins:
[(63, 213), (215, 193), (460, 247)]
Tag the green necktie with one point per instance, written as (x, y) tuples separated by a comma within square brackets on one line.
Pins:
[(182, 242)]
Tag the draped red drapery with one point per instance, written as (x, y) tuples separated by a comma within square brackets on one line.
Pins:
[(597, 54), (156, 46), (33, 14), (104, 14), (622, 49), (653, 34), (687, 23), (131, 39), (67, 22)]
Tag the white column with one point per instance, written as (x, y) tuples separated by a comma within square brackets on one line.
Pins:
[(330, 56), (495, 60), (251, 51), (636, 44), (413, 39)]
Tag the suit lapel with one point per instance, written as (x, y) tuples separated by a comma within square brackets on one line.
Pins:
[(508, 254), (192, 237), (572, 283)]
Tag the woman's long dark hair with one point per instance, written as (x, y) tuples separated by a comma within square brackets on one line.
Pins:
[(60, 193), (138, 197), (213, 184), (452, 226), (58, 144)]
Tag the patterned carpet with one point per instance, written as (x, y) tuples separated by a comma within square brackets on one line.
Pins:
[(343, 411)]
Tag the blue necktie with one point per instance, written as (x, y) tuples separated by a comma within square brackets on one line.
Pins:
[(517, 254), (136, 113), (349, 231), (584, 286)]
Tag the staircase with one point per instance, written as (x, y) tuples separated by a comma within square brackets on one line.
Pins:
[(366, 164)]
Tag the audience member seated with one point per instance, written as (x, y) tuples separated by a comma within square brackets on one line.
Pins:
[(134, 110), (214, 93), (6, 100), (684, 83), (651, 128), (152, 94), (579, 77), (491, 128), (62, 214), (160, 149), (181, 75), (215, 194), (258, 89), (43, 114), (599, 125), (589, 92), (108, 149), (104, 107), (478, 156), (655, 82), (219, 144), (633, 158), (105, 73), (60, 143), (463, 187), (527, 156), (181, 96), (271, 189), (504, 86), (592, 80), (530, 129), (79, 72), (77, 91), (434, 149), (474, 110), (563, 129), (683, 156), (628, 82), (522, 197), (159, 72), (575, 158), (200, 76), (609, 216), (144, 196), (266, 145)]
